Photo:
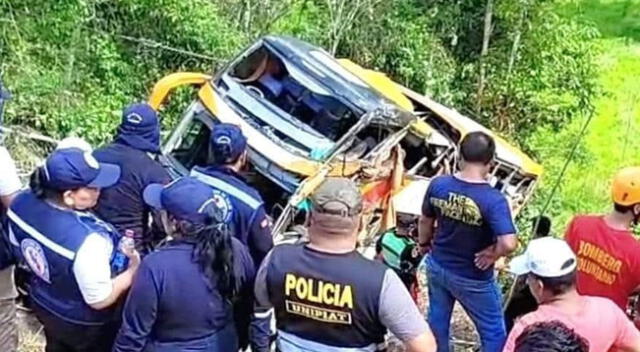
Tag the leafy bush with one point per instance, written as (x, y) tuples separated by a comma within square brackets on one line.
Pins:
[(72, 66)]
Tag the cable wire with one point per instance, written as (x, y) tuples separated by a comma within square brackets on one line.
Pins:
[(565, 166)]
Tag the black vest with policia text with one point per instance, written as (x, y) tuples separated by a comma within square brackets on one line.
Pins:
[(324, 298)]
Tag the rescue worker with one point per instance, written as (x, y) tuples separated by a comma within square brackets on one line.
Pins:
[(550, 266), (181, 297), (70, 252), (75, 142), (397, 249), (475, 229), (9, 186), (136, 142), (608, 254), (242, 205), (244, 208), (326, 295)]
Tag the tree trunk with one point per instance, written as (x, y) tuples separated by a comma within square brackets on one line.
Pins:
[(512, 57), (488, 26)]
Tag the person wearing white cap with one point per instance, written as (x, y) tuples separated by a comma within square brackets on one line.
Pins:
[(74, 142), (550, 266)]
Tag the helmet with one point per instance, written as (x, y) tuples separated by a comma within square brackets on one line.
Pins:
[(626, 186)]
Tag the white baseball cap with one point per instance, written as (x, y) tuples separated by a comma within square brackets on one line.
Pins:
[(74, 142), (545, 257)]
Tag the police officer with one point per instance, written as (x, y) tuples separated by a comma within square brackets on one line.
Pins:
[(243, 206), (326, 295), (70, 252), (136, 142), (160, 314)]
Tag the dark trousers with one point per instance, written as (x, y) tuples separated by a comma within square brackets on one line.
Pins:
[(224, 340), (63, 336)]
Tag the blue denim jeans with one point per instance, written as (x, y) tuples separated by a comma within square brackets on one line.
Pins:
[(481, 299)]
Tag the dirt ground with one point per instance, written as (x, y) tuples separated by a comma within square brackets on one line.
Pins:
[(30, 331)]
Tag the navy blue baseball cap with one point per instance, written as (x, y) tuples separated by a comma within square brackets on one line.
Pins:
[(139, 116), (185, 198), (140, 128), (227, 142), (72, 168)]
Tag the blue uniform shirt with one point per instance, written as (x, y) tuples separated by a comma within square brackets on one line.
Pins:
[(470, 217), (171, 302), (122, 204), (245, 208)]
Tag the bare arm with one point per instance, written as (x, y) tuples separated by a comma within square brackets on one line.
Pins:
[(634, 348), (122, 282), (503, 247), (422, 343), (400, 315), (92, 271), (426, 230), (500, 222), (628, 339), (7, 199)]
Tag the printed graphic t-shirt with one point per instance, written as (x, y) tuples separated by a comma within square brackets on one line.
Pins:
[(608, 259), (600, 322), (470, 217)]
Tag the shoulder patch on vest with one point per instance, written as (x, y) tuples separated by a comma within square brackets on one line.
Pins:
[(222, 201), (35, 258)]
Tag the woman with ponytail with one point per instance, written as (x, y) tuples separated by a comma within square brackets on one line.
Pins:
[(75, 285), (183, 295)]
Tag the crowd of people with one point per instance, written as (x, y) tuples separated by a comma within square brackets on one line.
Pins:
[(123, 257)]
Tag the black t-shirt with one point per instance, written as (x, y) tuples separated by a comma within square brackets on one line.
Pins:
[(122, 204)]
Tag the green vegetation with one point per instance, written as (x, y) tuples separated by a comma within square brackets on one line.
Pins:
[(611, 140), (73, 64)]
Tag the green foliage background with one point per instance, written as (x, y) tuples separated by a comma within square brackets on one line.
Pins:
[(72, 65)]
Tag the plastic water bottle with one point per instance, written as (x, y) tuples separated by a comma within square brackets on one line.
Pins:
[(120, 260)]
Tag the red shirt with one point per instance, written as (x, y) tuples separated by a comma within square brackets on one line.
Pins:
[(608, 259)]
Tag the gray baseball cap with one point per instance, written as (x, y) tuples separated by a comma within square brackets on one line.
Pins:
[(337, 196)]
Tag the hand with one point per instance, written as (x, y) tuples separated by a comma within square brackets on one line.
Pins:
[(486, 258), (424, 249), (134, 257), (500, 264)]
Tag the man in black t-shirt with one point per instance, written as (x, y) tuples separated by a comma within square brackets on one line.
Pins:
[(135, 143)]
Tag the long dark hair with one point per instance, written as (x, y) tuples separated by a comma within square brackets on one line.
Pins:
[(213, 252), (38, 185)]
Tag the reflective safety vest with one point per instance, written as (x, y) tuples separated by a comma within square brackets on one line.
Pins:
[(323, 301), (47, 238), (239, 202)]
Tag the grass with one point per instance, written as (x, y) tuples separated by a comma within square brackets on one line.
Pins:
[(611, 141)]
